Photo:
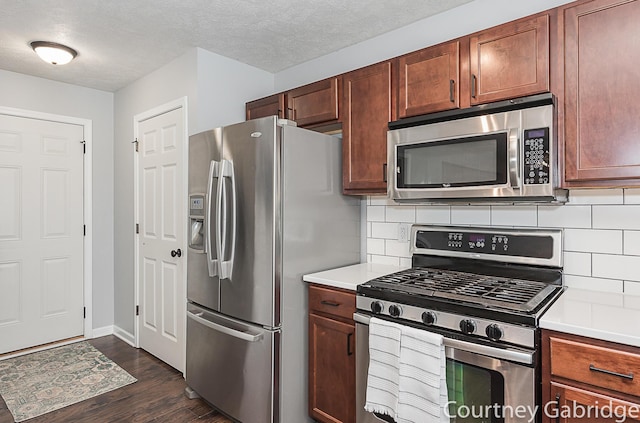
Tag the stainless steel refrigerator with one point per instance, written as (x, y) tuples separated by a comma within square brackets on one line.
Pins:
[(265, 208)]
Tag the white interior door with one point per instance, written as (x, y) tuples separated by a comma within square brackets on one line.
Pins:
[(41, 232), (161, 216)]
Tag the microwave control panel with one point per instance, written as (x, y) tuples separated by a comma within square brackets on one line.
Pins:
[(536, 156)]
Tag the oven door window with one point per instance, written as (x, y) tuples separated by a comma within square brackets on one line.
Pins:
[(461, 162), (474, 393)]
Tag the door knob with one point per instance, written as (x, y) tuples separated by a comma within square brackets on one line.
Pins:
[(176, 253)]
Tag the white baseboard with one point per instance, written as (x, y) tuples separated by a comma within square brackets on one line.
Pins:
[(125, 336), (104, 331)]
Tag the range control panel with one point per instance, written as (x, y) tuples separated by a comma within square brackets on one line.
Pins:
[(536, 156), (489, 242)]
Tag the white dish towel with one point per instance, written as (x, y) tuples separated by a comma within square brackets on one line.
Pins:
[(422, 387), (407, 373), (384, 367)]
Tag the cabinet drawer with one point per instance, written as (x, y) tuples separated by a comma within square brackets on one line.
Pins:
[(604, 367), (332, 301)]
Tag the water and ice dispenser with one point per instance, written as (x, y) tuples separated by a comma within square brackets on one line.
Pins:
[(196, 221)]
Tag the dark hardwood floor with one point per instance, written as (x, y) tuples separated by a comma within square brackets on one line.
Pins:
[(157, 396)]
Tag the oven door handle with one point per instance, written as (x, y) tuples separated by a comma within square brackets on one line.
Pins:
[(518, 356)]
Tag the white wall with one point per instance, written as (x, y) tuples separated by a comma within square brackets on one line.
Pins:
[(458, 22), (601, 233), (217, 89), (43, 95)]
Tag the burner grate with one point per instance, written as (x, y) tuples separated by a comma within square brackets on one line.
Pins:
[(510, 293)]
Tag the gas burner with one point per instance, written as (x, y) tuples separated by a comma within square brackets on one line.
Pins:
[(484, 290)]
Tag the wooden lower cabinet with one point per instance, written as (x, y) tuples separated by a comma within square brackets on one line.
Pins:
[(589, 381), (332, 358)]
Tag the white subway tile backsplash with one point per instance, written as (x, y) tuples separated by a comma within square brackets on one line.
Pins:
[(593, 241), (375, 213), (616, 267), (394, 261), (632, 288), (514, 215), (397, 248), (405, 262), (375, 246), (593, 284), (433, 215), (401, 214), (565, 216), (601, 232), (632, 243), (616, 217), (381, 201), (471, 215), (596, 196), (384, 230), (578, 264), (632, 196)]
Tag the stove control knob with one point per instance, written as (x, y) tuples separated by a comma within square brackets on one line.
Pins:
[(494, 332), (395, 310), (428, 317), (377, 307), (467, 326)]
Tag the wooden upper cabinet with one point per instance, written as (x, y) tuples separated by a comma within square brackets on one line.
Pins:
[(510, 60), (315, 103), (429, 80), (602, 93), (267, 106), (368, 104)]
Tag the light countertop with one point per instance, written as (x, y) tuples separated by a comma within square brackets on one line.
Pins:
[(349, 277), (600, 315)]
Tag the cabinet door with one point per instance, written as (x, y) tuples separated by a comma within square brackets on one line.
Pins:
[(369, 104), (511, 60), (429, 80), (332, 370), (602, 93), (314, 103), (570, 404), (267, 106)]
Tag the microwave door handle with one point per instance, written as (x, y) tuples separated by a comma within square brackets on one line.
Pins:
[(212, 263), (514, 158)]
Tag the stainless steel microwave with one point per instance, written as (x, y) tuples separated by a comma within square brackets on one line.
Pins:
[(498, 152)]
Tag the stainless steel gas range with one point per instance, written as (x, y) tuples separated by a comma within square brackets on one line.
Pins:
[(484, 290)]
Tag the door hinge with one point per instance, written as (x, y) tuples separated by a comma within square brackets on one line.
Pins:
[(84, 312), (137, 310), (84, 230), (136, 143), (137, 228), (84, 146)]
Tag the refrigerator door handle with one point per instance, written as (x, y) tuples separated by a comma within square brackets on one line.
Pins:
[(212, 263), (246, 335), (226, 266)]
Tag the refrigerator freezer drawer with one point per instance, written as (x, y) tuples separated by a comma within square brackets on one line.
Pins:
[(232, 364)]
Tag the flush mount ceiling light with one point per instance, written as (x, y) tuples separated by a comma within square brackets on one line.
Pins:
[(54, 53)]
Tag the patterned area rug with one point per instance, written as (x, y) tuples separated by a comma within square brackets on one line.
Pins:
[(37, 383)]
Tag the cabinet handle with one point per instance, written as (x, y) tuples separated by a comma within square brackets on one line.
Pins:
[(290, 114), (349, 352), (452, 85), (329, 303), (384, 172), (609, 372), (473, 86), (557, 408)]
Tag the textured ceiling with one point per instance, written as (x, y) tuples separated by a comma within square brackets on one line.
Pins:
[(119, 41)]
